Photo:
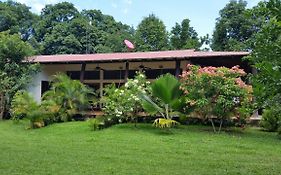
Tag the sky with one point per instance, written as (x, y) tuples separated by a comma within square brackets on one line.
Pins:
[(202, 13)]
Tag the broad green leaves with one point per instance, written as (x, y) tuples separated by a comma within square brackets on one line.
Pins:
[(165, 99)]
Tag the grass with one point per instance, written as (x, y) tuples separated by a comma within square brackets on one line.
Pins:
[(71, 148)]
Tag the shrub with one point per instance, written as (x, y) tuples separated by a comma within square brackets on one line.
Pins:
[(271, 119), (216, 92), (66, 98), (124, 102), (96, 123), (24, 105)]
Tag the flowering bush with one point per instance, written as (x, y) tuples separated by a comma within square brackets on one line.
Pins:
[(124, 102), (216, 92)]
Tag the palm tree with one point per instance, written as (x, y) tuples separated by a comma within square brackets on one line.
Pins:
[(71, 96), (168, 100)]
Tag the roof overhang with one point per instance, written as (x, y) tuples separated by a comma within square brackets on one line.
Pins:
[(132, 56)]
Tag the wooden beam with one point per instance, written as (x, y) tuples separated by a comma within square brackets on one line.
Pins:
[(126, 71), (82, 72), (178, 68)]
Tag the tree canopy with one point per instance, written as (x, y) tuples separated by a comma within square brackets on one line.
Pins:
[(14, 73), (17, 18), (151, 34), (233, 28), (183, 36), (266, 56)]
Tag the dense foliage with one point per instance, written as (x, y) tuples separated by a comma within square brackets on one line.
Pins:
[(266, 58), (216, 92), (124, 102), (151, 35), (62, 29), (183, 36), (70, 97), (14, 73), (65, 99)]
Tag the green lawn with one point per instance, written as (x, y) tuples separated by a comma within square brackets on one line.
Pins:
[(71, 148)]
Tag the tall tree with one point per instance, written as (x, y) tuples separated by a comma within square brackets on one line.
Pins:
[(183, 36), (151, 35), (233, 27), (17, 18), (52, 15), (266, 57), (14, 73)]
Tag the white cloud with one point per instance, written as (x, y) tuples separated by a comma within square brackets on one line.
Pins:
[(37, 5)]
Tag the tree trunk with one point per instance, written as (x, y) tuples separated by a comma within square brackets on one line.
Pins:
[(213, 125), (220, 125), (2, 105)]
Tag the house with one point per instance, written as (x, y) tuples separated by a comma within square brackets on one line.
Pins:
[(98, 70)]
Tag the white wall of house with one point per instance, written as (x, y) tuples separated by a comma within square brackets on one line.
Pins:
[(48, 70)]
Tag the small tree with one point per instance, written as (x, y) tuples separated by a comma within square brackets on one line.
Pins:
[(167, 100), (216, 92)]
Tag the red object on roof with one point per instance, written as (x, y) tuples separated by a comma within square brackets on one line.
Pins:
[(132, 56), (129, 45)]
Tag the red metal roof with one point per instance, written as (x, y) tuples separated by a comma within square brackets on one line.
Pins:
[(132, 56)]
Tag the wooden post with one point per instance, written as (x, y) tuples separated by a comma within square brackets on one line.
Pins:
[(82, 72), (126, 71), (178, 66)]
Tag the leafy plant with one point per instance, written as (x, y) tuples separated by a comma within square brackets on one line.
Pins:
[(124, 102), (167, 102), (67, 97), (14, 74), (96, 123), (271, 119), (217, 93), (24, 105), (165, 123)]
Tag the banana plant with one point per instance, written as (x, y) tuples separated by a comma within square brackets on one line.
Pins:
[(166, 100)]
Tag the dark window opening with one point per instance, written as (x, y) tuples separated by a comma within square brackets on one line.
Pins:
[(45, 86), (114, 74), (88, 75), (155, 73)]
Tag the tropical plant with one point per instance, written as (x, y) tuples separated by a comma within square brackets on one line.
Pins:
[(216, 92), (24, 105), (67, 97), (168, 100), (14, 74), (124, 102)]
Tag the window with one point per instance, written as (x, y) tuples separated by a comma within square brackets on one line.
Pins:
[(45, 86)]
